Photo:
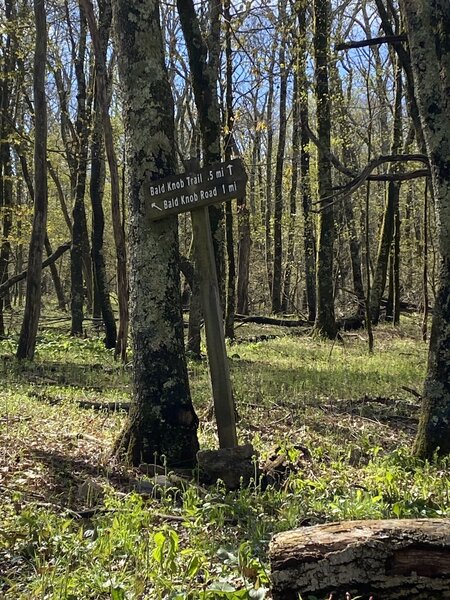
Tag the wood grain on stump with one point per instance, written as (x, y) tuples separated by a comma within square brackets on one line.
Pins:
[(386, 559)]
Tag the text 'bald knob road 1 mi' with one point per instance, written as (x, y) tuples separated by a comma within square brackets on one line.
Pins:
[(191, 190)]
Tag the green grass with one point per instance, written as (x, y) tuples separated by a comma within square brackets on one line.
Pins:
[(341, 417)]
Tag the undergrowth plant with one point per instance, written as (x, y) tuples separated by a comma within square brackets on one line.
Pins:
[(341, 420)]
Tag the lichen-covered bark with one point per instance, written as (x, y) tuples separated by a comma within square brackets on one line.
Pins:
[(428, 29), (325, 323), (385, 559), (162, 420)]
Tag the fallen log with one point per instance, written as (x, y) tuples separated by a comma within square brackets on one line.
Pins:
[(260, 320), (346, 323), (385, 560)]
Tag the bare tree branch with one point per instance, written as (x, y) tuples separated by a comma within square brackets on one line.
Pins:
[(387, 39), (4, 287), (366, 174)]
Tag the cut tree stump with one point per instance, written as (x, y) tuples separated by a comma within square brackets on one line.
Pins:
[(384, 559)]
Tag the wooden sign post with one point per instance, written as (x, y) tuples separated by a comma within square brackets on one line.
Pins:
[(193, 191)]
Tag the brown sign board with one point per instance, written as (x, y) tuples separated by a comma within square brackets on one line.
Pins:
[(190, 190)]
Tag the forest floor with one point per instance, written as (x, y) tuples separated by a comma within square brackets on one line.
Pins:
[(74, 524)]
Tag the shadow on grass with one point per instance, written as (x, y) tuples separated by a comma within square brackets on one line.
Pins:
[(76, 482)]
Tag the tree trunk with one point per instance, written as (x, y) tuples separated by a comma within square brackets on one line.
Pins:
[(325, 323), (427, 27), (162, 422), (98, 225), (230, 307), (269, 186), (243, 214), (393, 195), (6, 127), (278, 183), (100, 48), (78, 259), (286, 298), (204, 72), (55, 276), (309, 245), (380, 559), (28, 332)]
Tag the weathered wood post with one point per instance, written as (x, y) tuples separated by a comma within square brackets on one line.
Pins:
[(215, 338)]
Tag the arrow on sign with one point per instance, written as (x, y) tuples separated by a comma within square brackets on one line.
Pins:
[(154, 205)]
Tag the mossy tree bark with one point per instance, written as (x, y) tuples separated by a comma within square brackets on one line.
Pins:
[(428, 30), (162, 420), (325, 323)]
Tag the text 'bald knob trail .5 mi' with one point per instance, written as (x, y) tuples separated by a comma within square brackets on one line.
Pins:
[(190, 190)]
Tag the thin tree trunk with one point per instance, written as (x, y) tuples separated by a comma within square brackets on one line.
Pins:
[(79, 227), (309, 245), (230, 307), (392, 200), (425, 264), (27, 339), (325, 323), (98, 225), (286, 298), (269, 183), (204, 72), (119, 234), (278, 183), (62, 304)]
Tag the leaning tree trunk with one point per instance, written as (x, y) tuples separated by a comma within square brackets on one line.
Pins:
[(325, 323), (28, 332), (427, 27), (390, 559), (162, 421), (55, 276)]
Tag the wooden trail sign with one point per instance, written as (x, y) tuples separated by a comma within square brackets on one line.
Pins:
[(193, 191), (196, 188)]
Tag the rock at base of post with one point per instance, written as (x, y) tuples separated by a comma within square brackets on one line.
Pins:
[(234, 466), (389, 559)]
